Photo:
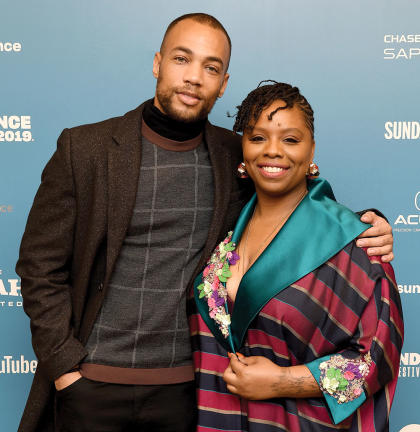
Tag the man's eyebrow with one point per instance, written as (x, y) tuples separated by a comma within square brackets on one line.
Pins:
[(188, 51), (181, 48)]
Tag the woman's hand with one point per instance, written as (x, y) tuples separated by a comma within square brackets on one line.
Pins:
[(252, 377), (378, 239), (258, 378)]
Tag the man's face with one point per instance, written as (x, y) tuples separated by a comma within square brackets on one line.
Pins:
[(191, 71)]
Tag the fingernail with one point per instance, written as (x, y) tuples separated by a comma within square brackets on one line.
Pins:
[(360, 243)]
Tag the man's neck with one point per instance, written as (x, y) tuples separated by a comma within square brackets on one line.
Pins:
[(168, 127)]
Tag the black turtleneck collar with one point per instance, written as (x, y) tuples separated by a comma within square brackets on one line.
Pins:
[(168, 127)]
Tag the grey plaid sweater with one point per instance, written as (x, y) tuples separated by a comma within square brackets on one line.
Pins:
[(143, 321)]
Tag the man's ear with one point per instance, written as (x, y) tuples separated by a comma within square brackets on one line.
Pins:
[(156, 64), (224, 84)]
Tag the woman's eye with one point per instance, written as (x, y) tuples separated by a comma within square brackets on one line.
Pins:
[(291, 140), (256, 138)]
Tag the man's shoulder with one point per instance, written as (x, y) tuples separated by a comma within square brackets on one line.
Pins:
[(105, 128), (225, 138), (226, 134)]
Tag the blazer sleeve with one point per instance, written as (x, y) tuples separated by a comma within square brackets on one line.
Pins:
[(370, 362), (44, 266)]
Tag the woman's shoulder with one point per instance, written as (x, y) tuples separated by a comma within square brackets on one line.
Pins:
[(353, 261)]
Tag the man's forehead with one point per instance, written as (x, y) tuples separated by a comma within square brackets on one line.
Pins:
[(191, 32)]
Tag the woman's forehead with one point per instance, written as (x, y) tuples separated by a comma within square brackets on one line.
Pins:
[(276, 114)]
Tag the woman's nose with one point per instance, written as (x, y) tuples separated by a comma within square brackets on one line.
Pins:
[(273, 148)]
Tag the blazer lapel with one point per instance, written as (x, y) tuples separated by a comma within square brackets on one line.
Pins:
[(222, 176), (123, 175)]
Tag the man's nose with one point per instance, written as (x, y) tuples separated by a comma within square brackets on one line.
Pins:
[(194, 74)]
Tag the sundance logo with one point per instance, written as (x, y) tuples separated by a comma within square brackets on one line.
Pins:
[(409, 365), (10, 47), (15, 128), (411, 428), (401, 46), (411, 222), (409, 289), (402, 130), (9, 365)]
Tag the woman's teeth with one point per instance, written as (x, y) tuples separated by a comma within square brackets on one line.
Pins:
[(272, 169)]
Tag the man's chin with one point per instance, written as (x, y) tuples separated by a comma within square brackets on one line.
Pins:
[(178, 111), (187, 115)]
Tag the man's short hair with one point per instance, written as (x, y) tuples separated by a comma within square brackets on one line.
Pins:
[(201, 18)]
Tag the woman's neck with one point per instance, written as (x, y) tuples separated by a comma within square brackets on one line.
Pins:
[(270, 208)]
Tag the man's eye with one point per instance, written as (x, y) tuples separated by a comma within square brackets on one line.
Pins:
[(212, 69), (180, 59)]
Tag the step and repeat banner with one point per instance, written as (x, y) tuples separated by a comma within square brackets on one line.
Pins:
[(358, 63)]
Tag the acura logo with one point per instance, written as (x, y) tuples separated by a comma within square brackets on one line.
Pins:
[(417, 200)]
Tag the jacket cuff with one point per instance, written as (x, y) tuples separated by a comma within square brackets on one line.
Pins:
[(340, 407), (71, 353)]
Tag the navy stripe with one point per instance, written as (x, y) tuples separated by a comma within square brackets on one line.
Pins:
[(380, 412), (341, 288), (219, 421), (314, 313)]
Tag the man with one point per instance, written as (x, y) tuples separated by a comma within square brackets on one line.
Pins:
[(105, 263)]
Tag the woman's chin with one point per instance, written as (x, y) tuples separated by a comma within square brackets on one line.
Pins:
[(280, 191)]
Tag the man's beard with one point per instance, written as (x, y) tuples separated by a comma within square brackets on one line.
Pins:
[(165, 101)]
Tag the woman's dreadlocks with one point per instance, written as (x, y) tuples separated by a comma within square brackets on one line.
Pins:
[(263, 96)]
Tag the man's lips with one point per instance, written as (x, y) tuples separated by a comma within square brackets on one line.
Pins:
[(188, 98)]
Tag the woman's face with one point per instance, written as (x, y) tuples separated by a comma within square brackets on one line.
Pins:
[(277, 152)]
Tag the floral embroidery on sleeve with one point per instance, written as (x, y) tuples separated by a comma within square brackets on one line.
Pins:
[(214, 278), (343, 378)]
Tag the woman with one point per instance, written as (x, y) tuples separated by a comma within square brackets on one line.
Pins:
[(317, 329)]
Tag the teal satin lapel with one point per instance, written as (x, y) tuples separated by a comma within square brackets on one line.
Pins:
[(316, 231)]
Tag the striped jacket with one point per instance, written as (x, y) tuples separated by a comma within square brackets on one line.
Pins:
[(345, 313)]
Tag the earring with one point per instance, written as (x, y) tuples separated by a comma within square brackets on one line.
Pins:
[(241, 171), (313, 170)]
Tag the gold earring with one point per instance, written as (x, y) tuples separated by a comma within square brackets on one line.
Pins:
[(313, 170), (241, 171)]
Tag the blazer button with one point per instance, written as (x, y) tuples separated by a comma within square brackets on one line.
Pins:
[(101, 286)]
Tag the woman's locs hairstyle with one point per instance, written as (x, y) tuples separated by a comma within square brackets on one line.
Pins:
[(263, 96)]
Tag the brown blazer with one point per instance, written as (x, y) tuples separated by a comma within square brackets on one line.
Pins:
[(74, 233)]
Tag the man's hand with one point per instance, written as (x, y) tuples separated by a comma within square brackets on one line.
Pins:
[(65, 380), (378, 239)]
